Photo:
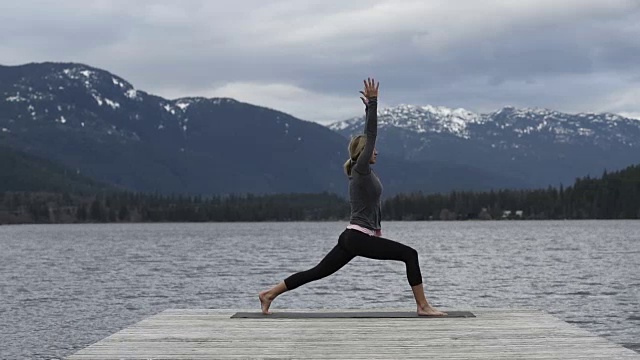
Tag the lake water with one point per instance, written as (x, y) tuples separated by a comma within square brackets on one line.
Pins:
[(64, 287)]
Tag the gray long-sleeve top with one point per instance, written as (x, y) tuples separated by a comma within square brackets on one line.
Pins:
[(365, 187)]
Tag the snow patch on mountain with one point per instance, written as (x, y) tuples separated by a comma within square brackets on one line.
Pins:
[(16, 98), (112, 103), (419, 119), (31, 95), (183, 105), (169, 109), (131, 94), (341, 125), (218, 101), (117, 82), (503, 123), (97, 98), (96, 79)]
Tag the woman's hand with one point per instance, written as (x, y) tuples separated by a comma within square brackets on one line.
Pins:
[(370, 90)]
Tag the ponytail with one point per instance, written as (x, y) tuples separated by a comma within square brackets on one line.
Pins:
[(356, 145), (347, 167)]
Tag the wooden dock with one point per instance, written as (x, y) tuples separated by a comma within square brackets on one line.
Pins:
[(492, 334)]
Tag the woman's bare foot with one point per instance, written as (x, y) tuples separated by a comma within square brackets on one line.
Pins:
[(428, 310), (267, 296), (265, 301)]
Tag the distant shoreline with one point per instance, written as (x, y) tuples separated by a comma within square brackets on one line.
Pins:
[(310, 221)]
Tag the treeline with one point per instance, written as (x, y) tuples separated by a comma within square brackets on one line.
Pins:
[(615, 195)]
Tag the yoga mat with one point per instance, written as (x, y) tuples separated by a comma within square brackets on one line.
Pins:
[(343, 315)]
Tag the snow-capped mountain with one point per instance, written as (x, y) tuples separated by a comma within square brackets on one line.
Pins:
[(79, 96), (562, 127), (417, 119), (101, 126), (545, 146)]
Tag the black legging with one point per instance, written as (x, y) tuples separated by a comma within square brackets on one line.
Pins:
[(354, 243)]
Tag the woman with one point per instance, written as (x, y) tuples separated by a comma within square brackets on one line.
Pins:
[(363, 234)]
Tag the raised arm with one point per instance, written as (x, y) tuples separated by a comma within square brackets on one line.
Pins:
[(370, 98)]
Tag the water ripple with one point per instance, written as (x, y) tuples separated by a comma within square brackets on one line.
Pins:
[(64, 287)]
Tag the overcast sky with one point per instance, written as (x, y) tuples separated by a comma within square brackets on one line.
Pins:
[(308, 58)]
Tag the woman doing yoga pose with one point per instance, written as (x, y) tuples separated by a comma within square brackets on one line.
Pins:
[(363, 236)]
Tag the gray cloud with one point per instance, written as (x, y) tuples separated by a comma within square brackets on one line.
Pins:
[(309, 58)]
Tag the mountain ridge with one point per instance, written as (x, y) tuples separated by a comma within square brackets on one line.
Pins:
[(547, 146), (100, 125)]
